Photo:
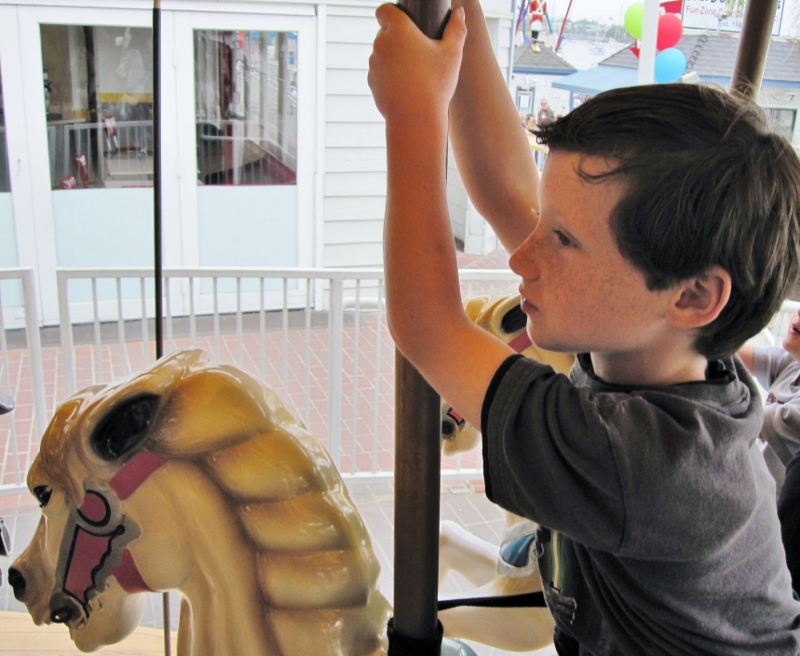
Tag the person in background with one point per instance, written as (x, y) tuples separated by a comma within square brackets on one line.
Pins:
[(537, 11), (778, 371), (545, 115), (530, 123)]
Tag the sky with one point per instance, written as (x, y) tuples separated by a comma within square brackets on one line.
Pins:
[(612, 11)]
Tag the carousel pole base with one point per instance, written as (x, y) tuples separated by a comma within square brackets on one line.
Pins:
[(435, 645), (456, 648)]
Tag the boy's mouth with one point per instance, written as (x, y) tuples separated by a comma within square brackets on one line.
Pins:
[(525, 305)]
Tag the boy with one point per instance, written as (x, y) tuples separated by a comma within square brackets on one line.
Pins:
[(664, 234)]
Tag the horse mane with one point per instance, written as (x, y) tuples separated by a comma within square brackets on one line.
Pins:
[(311, 550)]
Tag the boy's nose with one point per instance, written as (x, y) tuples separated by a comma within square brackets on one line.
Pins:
[(524, 261)]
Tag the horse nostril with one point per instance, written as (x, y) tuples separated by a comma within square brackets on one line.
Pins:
[(61, 615), (17, 581)]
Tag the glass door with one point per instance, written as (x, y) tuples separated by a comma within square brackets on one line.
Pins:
[(8, 245), (89, 94), (98, 89), (10, 291), (252, 129)]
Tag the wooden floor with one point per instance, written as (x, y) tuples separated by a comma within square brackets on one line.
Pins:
[(21, 636)]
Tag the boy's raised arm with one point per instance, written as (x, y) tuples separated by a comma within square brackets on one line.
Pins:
[(412, 79), (490, 146)]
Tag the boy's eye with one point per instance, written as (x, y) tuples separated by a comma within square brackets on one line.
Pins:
[(565, 241)]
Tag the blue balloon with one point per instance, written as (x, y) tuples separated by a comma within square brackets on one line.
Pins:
[(670, 65)]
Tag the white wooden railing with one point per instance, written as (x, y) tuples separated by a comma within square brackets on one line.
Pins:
[(23, 379), (356, 425)]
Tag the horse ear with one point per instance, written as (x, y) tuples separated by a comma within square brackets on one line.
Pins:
[(124, 427), (513, 320)]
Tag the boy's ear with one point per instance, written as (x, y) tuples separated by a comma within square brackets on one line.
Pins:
[(699, 300)]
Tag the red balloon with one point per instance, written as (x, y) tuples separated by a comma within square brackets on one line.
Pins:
[(670, 29), (635, 51)]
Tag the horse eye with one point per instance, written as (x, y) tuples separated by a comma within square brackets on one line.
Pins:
[(42, 494), (124, 427)]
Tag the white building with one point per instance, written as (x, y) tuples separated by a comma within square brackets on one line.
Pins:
[(532, 79), (273, 150)]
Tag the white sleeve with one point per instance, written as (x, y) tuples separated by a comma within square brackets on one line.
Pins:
[(768, 364)]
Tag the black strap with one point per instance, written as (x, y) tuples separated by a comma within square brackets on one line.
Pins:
[(400, 645), (526, 600)]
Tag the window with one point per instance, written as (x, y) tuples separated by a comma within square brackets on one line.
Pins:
[(98, 87), (525, 101), (782, 121), (246, 107)]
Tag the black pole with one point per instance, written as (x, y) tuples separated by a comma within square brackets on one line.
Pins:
[(157, 174), (157, 235), (417, 467), (430, 16), (759, 16)]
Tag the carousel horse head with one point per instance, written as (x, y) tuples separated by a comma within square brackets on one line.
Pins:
[(498, 313), (194, 476)]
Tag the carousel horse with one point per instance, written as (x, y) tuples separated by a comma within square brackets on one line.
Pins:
[(195, 477), (510, 568)]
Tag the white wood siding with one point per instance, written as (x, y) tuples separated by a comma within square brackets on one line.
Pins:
[(355, 145)]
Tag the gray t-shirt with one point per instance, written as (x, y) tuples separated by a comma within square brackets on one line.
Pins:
[(662, 535), (778, 372)]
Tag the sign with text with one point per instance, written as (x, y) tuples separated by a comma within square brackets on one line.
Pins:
[(716, 15)]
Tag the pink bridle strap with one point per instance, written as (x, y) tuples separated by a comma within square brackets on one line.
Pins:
[(125, 482), (521, 342), (456, 417), (135, 472), (128, 575)]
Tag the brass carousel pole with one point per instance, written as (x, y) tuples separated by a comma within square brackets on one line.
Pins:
[(415, 627), (157, 235), (759, 17)]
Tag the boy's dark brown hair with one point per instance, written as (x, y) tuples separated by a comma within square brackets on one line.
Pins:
[(708, 183)]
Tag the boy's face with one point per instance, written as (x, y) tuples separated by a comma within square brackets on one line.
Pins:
[(791, 343), (579, 293)]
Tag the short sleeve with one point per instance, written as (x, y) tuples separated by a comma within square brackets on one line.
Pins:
[(781, 428), (547, 455), (768, 363)]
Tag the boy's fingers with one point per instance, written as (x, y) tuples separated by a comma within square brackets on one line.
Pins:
[(386, 13), (455, 32)]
